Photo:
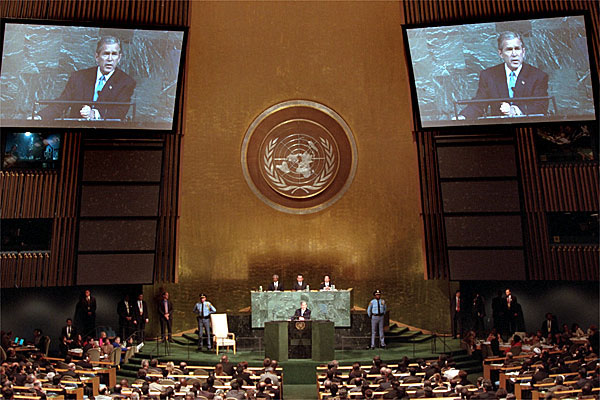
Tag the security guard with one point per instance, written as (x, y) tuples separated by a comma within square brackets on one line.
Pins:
[(376, 311), (203, 309)]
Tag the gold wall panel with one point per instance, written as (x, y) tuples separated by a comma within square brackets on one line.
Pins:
[(246, 56)]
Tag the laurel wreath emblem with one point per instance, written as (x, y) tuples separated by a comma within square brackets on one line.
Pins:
[(282, 185)]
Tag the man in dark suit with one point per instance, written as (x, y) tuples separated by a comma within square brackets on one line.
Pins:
[(125, 312), (299, 284), (302, 313), (165, 316), (457, 314), (326, 284), (276, 285), (90, 87), (140, 310), (87, 311), (69, 337), (511, 311), (498, 311), (550, 325), (512, 79), (478, 312)]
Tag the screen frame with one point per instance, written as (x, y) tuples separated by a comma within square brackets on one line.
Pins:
[(467, 126), (177, 123)]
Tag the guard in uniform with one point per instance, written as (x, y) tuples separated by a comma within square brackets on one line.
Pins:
[(376, 311), (203, 309)]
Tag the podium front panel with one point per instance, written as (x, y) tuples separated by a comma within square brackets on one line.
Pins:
[(323, 341), (276, 340)]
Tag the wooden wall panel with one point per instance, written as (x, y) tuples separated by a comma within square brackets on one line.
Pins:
[(436, 252), (54, 194), (555, 188), (28, 194), (24, 269), (570, 187), (545, 188)]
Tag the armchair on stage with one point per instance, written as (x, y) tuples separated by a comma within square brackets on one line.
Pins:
[(220, 330)]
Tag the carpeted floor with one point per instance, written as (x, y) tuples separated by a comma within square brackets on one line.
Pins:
[(301, 392), (298, 374)]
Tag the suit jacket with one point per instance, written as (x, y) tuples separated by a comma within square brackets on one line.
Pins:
[(453, 308), (298, 313), (497, 307), (80, 87), (553, 327), (136, 310), (478, 309), (323, 285), (297, 286), (161, 308), (279, 287), (74, 332), (531, 82), (124, 312), (86, 306)]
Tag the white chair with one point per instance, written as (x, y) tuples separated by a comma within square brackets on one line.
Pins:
[(220, 330)]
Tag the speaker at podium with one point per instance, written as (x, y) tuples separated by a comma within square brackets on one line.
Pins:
[(309, 339)]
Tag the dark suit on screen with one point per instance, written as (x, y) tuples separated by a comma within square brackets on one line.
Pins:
[(531, 82), (80, 87), (298, 314)]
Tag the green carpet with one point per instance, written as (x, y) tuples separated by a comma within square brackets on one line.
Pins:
[(300, 392), (298, 374)]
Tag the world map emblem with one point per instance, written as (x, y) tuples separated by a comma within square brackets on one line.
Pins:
[(300, 165), (299, 156)]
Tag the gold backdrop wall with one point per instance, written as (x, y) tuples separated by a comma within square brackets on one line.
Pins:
[(246, 56)]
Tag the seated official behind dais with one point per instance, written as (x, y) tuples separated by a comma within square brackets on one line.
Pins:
[(327, 284)]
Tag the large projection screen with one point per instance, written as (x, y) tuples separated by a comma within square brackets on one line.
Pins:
[(460, 66), (49, 73)]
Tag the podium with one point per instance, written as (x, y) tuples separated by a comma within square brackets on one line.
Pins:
[(310, 339)]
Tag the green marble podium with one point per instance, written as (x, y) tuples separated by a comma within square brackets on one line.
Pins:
[(333, 306), (299, 339)]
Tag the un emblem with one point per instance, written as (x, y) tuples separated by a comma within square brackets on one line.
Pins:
[(299, 156), (299, 165)]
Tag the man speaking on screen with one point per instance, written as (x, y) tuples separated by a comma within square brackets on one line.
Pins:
[(513, 80), (96, 86)]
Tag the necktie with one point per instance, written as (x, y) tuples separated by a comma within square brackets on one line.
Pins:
[(378, 307), (512, 81), (202, 305), (141, 307), (100, 85), (166, 307), (68, 331), (458, 304)]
